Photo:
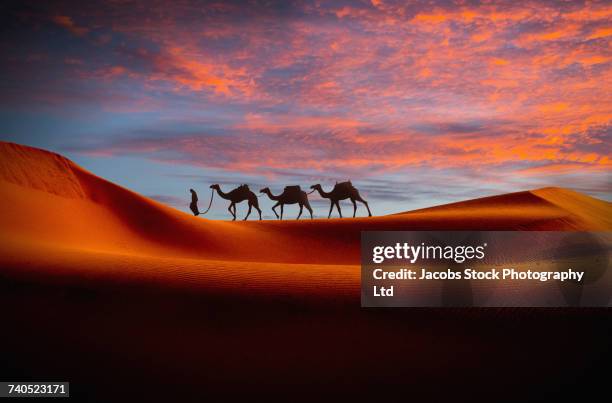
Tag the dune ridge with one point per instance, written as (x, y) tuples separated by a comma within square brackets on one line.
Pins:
[(50, 200)]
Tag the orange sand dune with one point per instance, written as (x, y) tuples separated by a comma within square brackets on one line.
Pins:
[(543, 209), (114, 291), (47, 199), (52, 209)]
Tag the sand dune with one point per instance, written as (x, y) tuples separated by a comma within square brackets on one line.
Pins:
[(48, 199), (54, 208), (101, 280)]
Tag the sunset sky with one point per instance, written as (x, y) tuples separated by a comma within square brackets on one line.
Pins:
[(419, 103)]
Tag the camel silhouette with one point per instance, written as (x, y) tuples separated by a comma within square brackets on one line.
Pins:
[(240, 194), (290, 195), (342, 191)]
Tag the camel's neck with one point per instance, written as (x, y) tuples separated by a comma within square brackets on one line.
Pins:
[(222, 194), (323, 193), (271, 196)]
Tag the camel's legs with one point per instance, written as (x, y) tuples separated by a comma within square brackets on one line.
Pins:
[(354, 207), (338, 207), (248, 212), (301, 208), (358, 198), (368, 207), (233, 213), (274, 209), (282, 209), (307, 204), (331, 207), (254, 203)]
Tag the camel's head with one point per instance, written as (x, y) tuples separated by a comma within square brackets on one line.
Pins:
[(192, 191), (317, 186), (215, 186), (264, 190)]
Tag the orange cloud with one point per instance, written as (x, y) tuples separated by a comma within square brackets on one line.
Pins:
[(556, 107), (380, 86), (600, 33), (187, 69), (430, 18)]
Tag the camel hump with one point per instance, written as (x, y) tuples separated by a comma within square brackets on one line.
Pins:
[(244, 187), (344, 186), (292, 190)]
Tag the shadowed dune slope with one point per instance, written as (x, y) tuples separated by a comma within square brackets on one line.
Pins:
[(48, 200), (116, 292)]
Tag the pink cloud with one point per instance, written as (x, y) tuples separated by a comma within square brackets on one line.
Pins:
[(374, 87), (67, 23)]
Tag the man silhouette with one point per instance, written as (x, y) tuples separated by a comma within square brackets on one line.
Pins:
[(194, 202)]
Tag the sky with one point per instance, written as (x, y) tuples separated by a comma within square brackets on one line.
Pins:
[(418, 103)]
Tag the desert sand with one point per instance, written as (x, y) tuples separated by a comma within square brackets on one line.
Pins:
[(103, 280)]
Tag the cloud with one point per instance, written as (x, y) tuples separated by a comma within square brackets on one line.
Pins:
[(67, 23), (366, 89)]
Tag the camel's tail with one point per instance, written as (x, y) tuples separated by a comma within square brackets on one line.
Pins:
[(212, 194)]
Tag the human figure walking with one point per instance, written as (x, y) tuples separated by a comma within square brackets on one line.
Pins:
[(194, 203)]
